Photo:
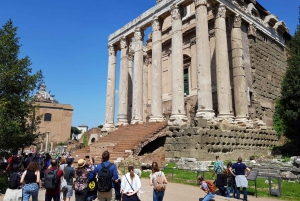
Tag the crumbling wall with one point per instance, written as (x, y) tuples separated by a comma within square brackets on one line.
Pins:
[(268, 65), (209, 139)]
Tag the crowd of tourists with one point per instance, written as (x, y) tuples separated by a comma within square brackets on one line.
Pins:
[(87, 181), (233, 177)]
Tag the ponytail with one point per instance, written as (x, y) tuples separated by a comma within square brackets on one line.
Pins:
[(131, 174), (130, 170)]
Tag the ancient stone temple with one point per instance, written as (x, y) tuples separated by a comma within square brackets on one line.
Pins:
[(221, 61)]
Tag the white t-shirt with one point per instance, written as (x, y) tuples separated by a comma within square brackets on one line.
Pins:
[(154, 175), (62, 167)]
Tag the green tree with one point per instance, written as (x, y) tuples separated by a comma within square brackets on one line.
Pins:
[(75, 130), (278, 121), (100, 126), (18, 122), (85, 140), (288, 109)]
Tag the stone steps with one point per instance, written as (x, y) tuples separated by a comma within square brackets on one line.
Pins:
[(120, 140)]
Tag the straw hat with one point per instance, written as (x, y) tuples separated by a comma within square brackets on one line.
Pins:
[(81, 163)]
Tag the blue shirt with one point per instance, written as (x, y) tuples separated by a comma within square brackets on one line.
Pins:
[(239, 168), (113, 171)]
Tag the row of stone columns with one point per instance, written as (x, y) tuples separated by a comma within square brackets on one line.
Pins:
[(205, 104)]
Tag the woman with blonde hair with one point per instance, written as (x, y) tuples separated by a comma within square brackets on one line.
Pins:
[(157, 195), (130, 185), (31, 179)]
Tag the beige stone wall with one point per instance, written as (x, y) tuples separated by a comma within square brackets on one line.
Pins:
[(203, 142), (59, 127), (268, 65)]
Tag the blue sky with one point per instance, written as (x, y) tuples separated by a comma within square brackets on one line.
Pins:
[(67, 40)]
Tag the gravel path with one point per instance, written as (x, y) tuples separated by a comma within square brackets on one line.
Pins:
[(174, 192)]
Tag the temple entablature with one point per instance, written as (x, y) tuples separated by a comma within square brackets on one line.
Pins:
[(249, 10)]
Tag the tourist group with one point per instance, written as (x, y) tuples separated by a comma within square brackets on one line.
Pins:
[(60, 179)]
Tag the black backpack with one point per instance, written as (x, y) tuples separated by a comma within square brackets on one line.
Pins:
[(104, 179), (15, 164), (51, 180), (14, 181)]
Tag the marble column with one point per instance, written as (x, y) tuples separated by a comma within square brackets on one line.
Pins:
[(111, 90), (205, 104), (222, 65), (145, 86), (156, 74), (130, 78), (123, 84), (178, 116), (239, 76), (137, 116)]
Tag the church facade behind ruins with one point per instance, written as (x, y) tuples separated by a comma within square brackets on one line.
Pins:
[(56, 120), (213, 65)]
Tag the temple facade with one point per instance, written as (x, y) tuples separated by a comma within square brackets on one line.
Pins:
[(220, 60)]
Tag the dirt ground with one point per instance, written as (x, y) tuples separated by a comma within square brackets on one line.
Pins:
[(174, 192)]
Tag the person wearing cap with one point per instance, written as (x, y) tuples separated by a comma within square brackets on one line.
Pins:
[(69, 173), (81, 182), (55, 193), (106, 196)]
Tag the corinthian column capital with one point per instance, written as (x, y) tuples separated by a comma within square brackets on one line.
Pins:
[(124, 42), (156, 24), (252, 30), (175, 12), (111, 50), (221, 11), (237, 21), (138, 35), (200, 3)]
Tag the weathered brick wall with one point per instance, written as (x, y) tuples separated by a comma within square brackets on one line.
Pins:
[(268, 65), (208, 140)]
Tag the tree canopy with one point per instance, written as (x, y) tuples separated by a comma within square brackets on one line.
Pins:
[(287, 115), (75, 130), (18, 122)]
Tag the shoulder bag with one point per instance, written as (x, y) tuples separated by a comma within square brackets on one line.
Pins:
[(138, 199)]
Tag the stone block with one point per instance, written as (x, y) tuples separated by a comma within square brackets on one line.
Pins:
[(200, 122)]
